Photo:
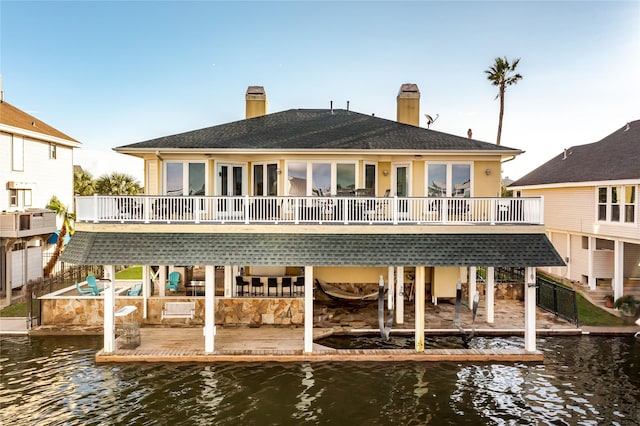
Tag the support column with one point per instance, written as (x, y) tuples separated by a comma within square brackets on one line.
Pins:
[(618, 269), (391, 289), (400, 295), (419, 308), (228, 281), (590, 263), (8, 273), (209, 329), (490, 294), (162, 280), (109, 304), (530, 310), (308, 309), (568, 257), (472, 285), (146, 287)]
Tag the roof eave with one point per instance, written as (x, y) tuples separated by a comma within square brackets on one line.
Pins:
[(40, 136)]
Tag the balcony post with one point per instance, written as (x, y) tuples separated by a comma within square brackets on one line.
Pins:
[(147, 209), (95, 208), (395, 209), (246, 209)]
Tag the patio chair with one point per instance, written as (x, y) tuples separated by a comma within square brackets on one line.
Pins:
[(286, 282), (174, 281), (82, 291), (298, 287), (93, 285), (240, 286), (136, 290), (272, 282), (257, 288)]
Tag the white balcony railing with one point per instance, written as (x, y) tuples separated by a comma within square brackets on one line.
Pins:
[(304, 210)]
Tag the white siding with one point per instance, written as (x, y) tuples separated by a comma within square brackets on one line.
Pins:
[(603, 263), (48, 176), (573, 209), (579, 259)]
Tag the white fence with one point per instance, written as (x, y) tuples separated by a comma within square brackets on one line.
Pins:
[(296, 210)]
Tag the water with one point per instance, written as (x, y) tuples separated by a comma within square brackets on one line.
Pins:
[(582, 381)]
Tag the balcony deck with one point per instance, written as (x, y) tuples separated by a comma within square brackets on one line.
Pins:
[(309, 210)]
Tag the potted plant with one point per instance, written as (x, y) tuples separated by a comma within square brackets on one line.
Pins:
[(628, 305), (608, 301)]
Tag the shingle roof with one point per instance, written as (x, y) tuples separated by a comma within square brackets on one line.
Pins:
[(316, 130), (14, 117), (505, 250), (615, 157)]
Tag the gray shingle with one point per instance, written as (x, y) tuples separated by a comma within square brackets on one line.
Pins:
[(315, 130), (613, 158), (317, 249)]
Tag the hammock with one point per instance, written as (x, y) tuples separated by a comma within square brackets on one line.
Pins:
[(342, 295)]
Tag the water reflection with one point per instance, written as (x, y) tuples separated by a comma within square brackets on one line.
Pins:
[(583, 380)]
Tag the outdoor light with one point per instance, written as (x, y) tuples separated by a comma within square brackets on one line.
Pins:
[(487, 172), (385, 172)]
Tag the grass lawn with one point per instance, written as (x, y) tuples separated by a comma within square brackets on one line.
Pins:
[(131, 273), (590, 314)]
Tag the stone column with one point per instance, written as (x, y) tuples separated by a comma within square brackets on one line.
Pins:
[(419, 308), (530, 310), (209, 308), (109, 303), (308, 309), (490, 294)]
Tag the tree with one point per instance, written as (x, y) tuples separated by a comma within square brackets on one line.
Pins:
[(67, 225), (501, 74), (117, 184), (83, 183)]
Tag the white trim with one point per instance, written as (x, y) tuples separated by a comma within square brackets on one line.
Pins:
[(39, 136), (613, 182)]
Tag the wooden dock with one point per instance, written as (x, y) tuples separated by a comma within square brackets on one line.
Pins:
[(284, 345)]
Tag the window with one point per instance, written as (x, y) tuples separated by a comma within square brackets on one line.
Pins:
[(345, 179), (27, 198), (617, 204), (448, 180), (185, 178), (13, 198), (322, 179), (370, 178), (17, 153), (629, 204), (585, 243), (265, 179), (52, 151)]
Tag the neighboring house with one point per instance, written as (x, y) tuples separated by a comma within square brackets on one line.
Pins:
[(36, 162), (324, 194), (591, 210)]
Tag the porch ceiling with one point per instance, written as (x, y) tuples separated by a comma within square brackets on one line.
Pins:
[(118, 248)]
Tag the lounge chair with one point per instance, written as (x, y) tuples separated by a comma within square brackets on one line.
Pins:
[(174, 281), (82, 291), (136, 290), (93, 285)]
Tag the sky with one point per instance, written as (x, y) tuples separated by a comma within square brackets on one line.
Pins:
[(118, 72)]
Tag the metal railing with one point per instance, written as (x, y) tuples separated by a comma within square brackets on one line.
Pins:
[(337, 210), (557, 299)]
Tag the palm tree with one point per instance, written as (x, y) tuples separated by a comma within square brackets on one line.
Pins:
[(501, 74), (67, 218), (83, 183), (117, 184)]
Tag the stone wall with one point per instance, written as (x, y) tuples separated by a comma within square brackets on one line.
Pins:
[(237, 311)]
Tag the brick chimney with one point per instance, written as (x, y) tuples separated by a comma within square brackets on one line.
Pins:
[(256, 101), (409, 104)]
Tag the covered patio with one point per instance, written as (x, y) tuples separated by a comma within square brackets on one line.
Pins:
[(462, 250)]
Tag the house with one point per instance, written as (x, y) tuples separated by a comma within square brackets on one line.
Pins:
[(326, 195), (36, 162), (591, 210)]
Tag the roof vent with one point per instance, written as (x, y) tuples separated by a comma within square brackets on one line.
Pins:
[(626, 129)]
